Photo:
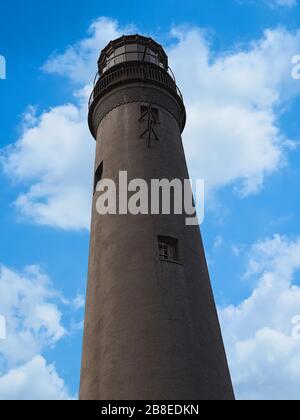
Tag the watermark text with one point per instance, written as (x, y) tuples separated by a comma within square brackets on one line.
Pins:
[(2, 68), (296, 328), (157, 197), (296, 68), (2, 327)]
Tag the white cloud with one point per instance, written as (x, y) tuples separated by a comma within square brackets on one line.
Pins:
[(30, 306), (55, 153), (283, 3), (79, 302), (34, 380), (233, 137), (233, 103), (264, 357), (79, 62), (33, 319), (55, 158)]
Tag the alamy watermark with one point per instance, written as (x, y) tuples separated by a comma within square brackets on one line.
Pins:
[(296, 68), (159, 196), (296, 328), (2, 68), (2, 327)]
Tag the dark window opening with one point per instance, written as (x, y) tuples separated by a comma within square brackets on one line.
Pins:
[(151, 112), (168, 248), (98, 176)]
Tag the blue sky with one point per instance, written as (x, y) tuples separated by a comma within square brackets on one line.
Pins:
[(232, 60)]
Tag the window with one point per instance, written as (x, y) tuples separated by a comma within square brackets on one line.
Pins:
[(98, 176), (131, 48), (132, 56), (133, 52), (168, 248), (120, 51), (120, 59)]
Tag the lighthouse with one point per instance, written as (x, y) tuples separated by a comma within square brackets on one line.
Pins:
[(151, 327)]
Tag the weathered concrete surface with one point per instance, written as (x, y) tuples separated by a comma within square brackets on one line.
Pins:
[(151, 327)]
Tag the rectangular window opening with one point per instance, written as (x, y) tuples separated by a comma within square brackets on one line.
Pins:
[(98, 176), (168, 248)]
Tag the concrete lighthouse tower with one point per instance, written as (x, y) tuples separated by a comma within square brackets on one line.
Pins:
[(151, 327)]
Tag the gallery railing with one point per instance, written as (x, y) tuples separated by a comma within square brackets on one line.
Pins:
[(133, 71)]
